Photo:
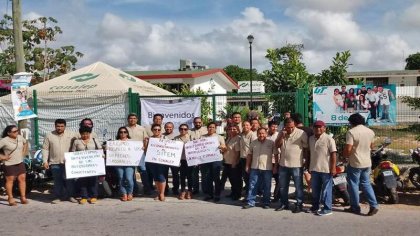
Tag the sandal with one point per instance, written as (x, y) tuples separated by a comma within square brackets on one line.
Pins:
[(12, 203), (23, 200)]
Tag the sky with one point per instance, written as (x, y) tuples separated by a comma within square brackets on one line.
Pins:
[(156, 34)]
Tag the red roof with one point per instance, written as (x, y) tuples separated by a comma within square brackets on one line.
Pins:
[(187, 75)]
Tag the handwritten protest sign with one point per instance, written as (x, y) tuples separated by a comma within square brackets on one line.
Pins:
[(84, 164), (164, 151), (202, 150), (123, 153)]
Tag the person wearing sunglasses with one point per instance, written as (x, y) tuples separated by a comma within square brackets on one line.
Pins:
[(125, 173), (158, 170), (186, 171), (14, 148)]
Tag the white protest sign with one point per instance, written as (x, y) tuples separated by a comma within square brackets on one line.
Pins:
[(84, 163), (164, 151), (202, 150), (123, 153)]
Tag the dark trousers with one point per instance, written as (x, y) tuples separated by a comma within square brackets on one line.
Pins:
[(175, 179), (146, 179), (186, 174), (234, 174), (88, 187), (372, 110), (196, 179), (245, 175), (211, 178)]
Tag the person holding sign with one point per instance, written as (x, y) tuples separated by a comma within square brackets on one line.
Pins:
[(88, 185), (211, 170), (186, 171), (14, 147), (158, 170), (125, 173)]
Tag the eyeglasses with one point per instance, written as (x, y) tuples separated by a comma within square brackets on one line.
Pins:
[(183, 129), (156, 129), (123, 132)]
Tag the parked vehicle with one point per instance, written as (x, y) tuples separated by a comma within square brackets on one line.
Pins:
[(414, 173), (385, 174), (340, 185)]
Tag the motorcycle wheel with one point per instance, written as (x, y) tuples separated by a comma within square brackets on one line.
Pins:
[(414, 177), (393, 197)]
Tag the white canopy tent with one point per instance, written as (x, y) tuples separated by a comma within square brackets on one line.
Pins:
[(97, 91)]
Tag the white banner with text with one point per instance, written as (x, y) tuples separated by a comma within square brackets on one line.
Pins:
[(123, 153), (203, 150), (164, 151), (84, 164)]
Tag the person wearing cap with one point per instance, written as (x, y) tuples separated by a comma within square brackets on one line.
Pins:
[(321, 161), (359, 143)]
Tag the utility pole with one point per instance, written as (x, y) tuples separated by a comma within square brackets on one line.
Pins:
[(18, 38), (17, 35)]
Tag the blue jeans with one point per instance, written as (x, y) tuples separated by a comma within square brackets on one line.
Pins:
[(257, 177), (62, 187), (284, 178), (356, 176), (88, 187), (125, 179), (322, 185), (145, 179)]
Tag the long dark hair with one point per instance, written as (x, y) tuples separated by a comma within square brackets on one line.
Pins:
[(118, 133), (7, 130)]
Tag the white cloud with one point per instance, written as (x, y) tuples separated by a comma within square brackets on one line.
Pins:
[(411, 16), (326, 5)]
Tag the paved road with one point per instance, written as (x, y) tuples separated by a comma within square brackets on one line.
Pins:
[(144, 216)]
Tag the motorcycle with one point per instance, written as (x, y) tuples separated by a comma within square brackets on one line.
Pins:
[(414, 174), (35, 173), (108, 183), (385, 174), (340, 185)]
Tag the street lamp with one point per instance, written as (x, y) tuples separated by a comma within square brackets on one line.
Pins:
[(250, 40)]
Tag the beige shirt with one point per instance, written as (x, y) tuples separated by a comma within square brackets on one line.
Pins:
[(233, 145), (246, 139), (361, 138), (185, 139), (292, 149), (262, 154), (197, 133), (137, 133), (320, 151), (170, 136), (55, 145), (79, 145), (10, 144)]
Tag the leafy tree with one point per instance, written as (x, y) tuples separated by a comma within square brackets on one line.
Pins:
[(413, 62), (37, 36), (336, 73), (241, 74), (412, 102), (287, 72)]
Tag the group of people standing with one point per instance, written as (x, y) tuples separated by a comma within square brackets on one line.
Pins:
[(252, 155)]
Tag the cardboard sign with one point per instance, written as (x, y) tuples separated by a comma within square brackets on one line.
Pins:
[(84, 164), (164, 151), (202, 150), (123, 153)]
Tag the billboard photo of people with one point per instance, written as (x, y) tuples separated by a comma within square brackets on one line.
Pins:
[(334, 104)]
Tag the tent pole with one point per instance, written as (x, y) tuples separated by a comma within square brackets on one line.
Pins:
[(36, 125)]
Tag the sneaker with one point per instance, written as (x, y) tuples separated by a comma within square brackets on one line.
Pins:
[(324, 213), (83, 201), (247, 206), (55, 201), (93, 200), (372, 211), (73, 200)]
